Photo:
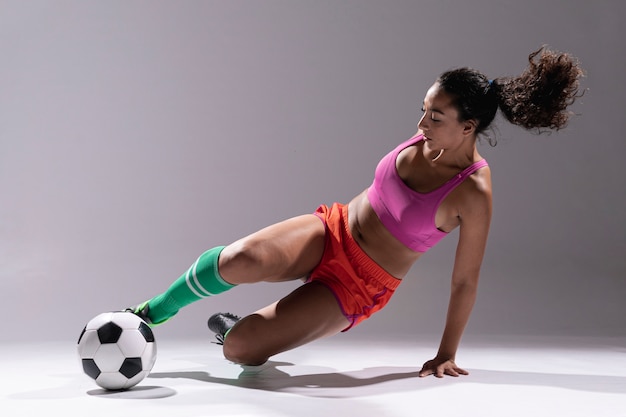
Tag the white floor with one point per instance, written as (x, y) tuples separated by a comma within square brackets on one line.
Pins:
[(340, 376)]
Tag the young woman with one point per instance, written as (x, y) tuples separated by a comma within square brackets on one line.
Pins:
[(354, 256)]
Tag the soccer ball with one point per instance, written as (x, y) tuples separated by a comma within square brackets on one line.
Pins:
[(117, 350)]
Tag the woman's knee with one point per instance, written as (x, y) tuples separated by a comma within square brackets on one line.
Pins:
[(244, 261), (242, 344), (238, 253)]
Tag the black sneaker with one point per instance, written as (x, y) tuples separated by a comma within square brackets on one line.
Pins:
[(221, 323), (142, 312)]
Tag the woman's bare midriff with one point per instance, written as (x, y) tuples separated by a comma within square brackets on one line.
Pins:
[(376, 241)]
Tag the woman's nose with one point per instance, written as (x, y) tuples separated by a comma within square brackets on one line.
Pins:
[(422, 123)]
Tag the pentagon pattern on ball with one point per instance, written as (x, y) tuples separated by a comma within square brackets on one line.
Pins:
[(117, 350), (131, 367), (90, 368), (146, 331), (109, 333)]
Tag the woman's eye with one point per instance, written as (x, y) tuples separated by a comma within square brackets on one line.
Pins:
[(423, 109)]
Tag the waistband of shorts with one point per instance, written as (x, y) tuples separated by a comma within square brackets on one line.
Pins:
[(361, 258)]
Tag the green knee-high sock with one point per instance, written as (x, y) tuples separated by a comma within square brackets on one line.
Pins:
[(201, 280)]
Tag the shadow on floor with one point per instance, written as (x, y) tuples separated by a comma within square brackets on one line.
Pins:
[(382, 380)]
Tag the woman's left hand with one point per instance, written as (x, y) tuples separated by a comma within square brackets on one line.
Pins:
[(441, 367)]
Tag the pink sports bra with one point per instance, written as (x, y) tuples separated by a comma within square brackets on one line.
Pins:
[(406, 213)]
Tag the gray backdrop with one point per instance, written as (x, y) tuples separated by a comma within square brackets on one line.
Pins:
[(136, 134)]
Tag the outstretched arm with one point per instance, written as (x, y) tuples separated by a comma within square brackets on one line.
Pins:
[(462, 299), (469, 254)]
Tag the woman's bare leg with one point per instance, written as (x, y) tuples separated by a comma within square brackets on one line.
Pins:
[(310, 312), (284, 251)]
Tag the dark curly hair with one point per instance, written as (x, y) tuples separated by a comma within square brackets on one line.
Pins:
[(536, 99)]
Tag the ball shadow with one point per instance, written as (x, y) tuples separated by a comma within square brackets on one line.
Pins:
[(135, 393)]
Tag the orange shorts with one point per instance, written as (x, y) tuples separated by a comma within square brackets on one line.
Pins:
[(360, 285)]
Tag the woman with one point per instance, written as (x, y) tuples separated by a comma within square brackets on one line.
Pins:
[(354, 256)]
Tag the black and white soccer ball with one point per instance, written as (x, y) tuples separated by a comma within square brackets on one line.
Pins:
[(117, 350)]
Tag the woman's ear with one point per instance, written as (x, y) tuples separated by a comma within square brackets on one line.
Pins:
[(469, 127)]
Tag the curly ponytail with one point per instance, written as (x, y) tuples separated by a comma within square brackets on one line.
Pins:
[(539, 97), (536, 99)]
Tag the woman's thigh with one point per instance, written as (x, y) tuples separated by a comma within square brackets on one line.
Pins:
[(310, 312), (284, 251)]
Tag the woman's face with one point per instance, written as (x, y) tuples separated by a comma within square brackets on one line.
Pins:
[(440, 122)]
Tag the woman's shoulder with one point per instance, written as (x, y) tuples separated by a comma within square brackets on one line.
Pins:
[(414, 139), (477, 188)]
